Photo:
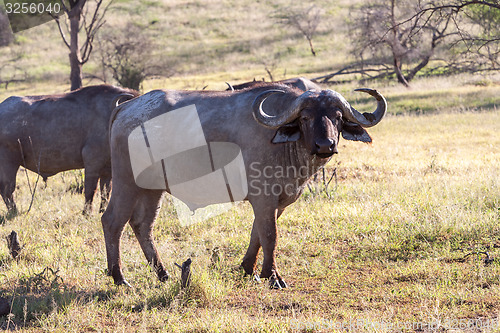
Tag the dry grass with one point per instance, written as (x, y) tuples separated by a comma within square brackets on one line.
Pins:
[(390, 246), (397, 242)]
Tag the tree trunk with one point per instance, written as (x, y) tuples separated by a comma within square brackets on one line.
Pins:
[(418, 68), (399, 73), (6, 36), (311, 46), (76, 71), (75, 59), (397, 49)]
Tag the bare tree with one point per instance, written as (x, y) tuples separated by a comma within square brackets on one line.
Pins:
[(401, 38), (305, 20), (10, 71), (82, 16), (129, 54), (480, 36), (384, 31), (270, 61)]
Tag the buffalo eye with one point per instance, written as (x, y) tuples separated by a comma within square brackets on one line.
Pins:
[(305, 118)]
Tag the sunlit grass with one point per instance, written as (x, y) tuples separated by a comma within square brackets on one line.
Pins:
[(398, 241)]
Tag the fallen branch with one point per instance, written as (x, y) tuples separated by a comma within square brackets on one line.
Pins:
[(487, 261), (356, 68)]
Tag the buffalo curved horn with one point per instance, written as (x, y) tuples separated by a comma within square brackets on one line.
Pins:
[(230, 86), (366, 119), (285, 117), (118, 99)]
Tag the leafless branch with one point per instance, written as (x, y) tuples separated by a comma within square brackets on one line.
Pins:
[(61, 32), (91, 29), (305, 20)]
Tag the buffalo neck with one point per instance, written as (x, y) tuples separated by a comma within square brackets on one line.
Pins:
[(296, 156)]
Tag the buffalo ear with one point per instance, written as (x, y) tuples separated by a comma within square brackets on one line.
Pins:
[(287, 133), (354, 132)]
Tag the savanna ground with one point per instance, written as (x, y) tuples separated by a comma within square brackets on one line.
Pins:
[(396, 241)]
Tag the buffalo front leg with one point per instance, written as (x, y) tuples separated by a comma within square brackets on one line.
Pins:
[(8, 173), (264, 227), (90, 186), (105, 188), (250, 258), (142, 222)]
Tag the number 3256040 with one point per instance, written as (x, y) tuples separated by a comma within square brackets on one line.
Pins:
[(32, 8)]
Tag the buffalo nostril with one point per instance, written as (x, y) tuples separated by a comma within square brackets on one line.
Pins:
[(326, 146)]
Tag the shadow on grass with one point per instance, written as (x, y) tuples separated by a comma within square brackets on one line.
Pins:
[(8, 216), (43, 293)]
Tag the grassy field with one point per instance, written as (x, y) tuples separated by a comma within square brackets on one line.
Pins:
[(398, 242), (394, 244)]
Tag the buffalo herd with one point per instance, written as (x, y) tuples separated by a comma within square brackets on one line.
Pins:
[(291, 125)]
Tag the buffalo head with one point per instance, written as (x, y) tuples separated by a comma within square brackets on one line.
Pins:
[(318, 117)]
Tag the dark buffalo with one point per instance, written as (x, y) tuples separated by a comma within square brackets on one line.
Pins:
[(53, 133), (298, 82), (277, 128)]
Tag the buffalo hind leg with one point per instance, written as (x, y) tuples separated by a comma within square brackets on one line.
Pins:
[(142, 222), (113, 221)]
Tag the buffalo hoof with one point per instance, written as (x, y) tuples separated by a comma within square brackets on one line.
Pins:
[(117, 275), (276, 282), (163, 276), (11, 213), (246, 271), (251, 276), (123, 283)]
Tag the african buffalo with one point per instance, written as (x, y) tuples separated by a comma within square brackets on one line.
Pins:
[(273, 124), (299, 82), (53, 133)]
